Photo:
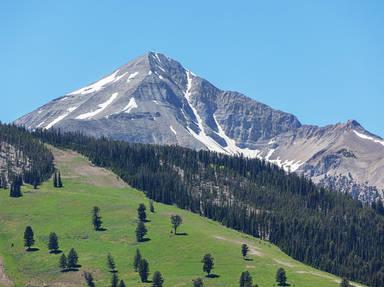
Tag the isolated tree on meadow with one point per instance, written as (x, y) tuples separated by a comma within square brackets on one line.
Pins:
[(96, 218), (136, 260), (176, 221), (121, 284), (143, 270), (114, 280), (53, 243), (344, 283), (208, 264), (246, 280), (55, 184), (29, 240), (157, 279), (63, 263), (89, 279), (141, 231), (59, 182), (198, 282), (111, 263), (244, 250), (141, 214), (72, 259), (151, 206), (15, 190), (281, 277)]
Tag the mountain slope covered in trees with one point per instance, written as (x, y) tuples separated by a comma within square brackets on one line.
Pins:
[(22, 154), (327, 230)]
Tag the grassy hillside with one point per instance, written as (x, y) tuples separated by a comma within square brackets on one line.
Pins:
[(67, 212)]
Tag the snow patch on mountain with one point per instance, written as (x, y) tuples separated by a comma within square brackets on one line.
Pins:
[(61, 117), (132, 76), (130, 106), (101, 108), (172, 130), (363, 136)]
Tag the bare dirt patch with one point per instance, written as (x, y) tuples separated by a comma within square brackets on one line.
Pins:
[(74, 165), (287, 264), (253, 250), (4, 279)]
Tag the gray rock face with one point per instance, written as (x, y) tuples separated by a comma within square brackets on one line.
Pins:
[(154, 99)]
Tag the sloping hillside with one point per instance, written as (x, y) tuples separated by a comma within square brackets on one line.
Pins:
[(67, 212)]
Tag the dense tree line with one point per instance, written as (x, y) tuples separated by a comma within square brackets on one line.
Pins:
[(325, 229), (32, 157)]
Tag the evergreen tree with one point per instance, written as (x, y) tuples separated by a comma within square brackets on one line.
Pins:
[(63, 263), (114, 280), (15, 190), (96, 218), (136, 260), (53, 243), (198, 282), (176, 221), (111, 263), (246, 279), (141, 231), (143, 270), (28, 238), (141, 214), (151, 206), (281, 277), (72, 259), (55, 184), (244, 250), (157, 279), (121, 284), (59, 182), (208, 264), (344, 283), (88, 279)]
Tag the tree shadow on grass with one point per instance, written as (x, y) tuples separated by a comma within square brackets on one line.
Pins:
[(55, 251), (101, 229), (114, 271), (248, 259), (181, 234), (32, 249), (145, 240), (212, 276)]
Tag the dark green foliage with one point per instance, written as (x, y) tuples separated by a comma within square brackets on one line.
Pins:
[(345, 283), (63, 263), (151, 206), (55, 184), (28, 238), (111, 263), (157, 279), (281, 277), (325, 229), (59, 182), (89, 279), (176, 221), (198, 282), (136, 260), (143, 270), (114, 280), (15, 190), (244, 250), (53, 242), (141, 214), (141, 231), (96, 218), (31, 150), (208, 263), (72, 259), (121, 284), (246, 280)]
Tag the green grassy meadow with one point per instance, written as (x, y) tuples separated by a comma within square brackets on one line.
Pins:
[(67, 212)]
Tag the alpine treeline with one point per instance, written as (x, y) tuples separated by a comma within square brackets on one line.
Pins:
[(325, 229), (24, 155)]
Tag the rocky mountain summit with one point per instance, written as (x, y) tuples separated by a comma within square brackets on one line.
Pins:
[(154, 99)]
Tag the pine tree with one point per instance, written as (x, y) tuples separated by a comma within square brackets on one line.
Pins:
[(244, 250), (136, 260), (55, 180), (151, 206), (72, 259), (176, 221), (96, 218), (88, 279), (15, 190), (141, 231), (59, 182), (143, 270), (198, 282), (121, 284), (208, 264), (63, 263), (53, 243), (344, 283), (114, 280), (141, 214), (28, 238), (111, 263), (281, 277), (157, 279), (246, 279)]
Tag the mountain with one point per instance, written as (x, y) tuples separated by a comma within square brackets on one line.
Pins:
[(154, 99)]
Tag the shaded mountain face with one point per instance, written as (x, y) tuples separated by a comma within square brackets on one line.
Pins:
[(154, 99)]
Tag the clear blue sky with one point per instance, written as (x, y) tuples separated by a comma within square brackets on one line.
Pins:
[(320, 60)]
